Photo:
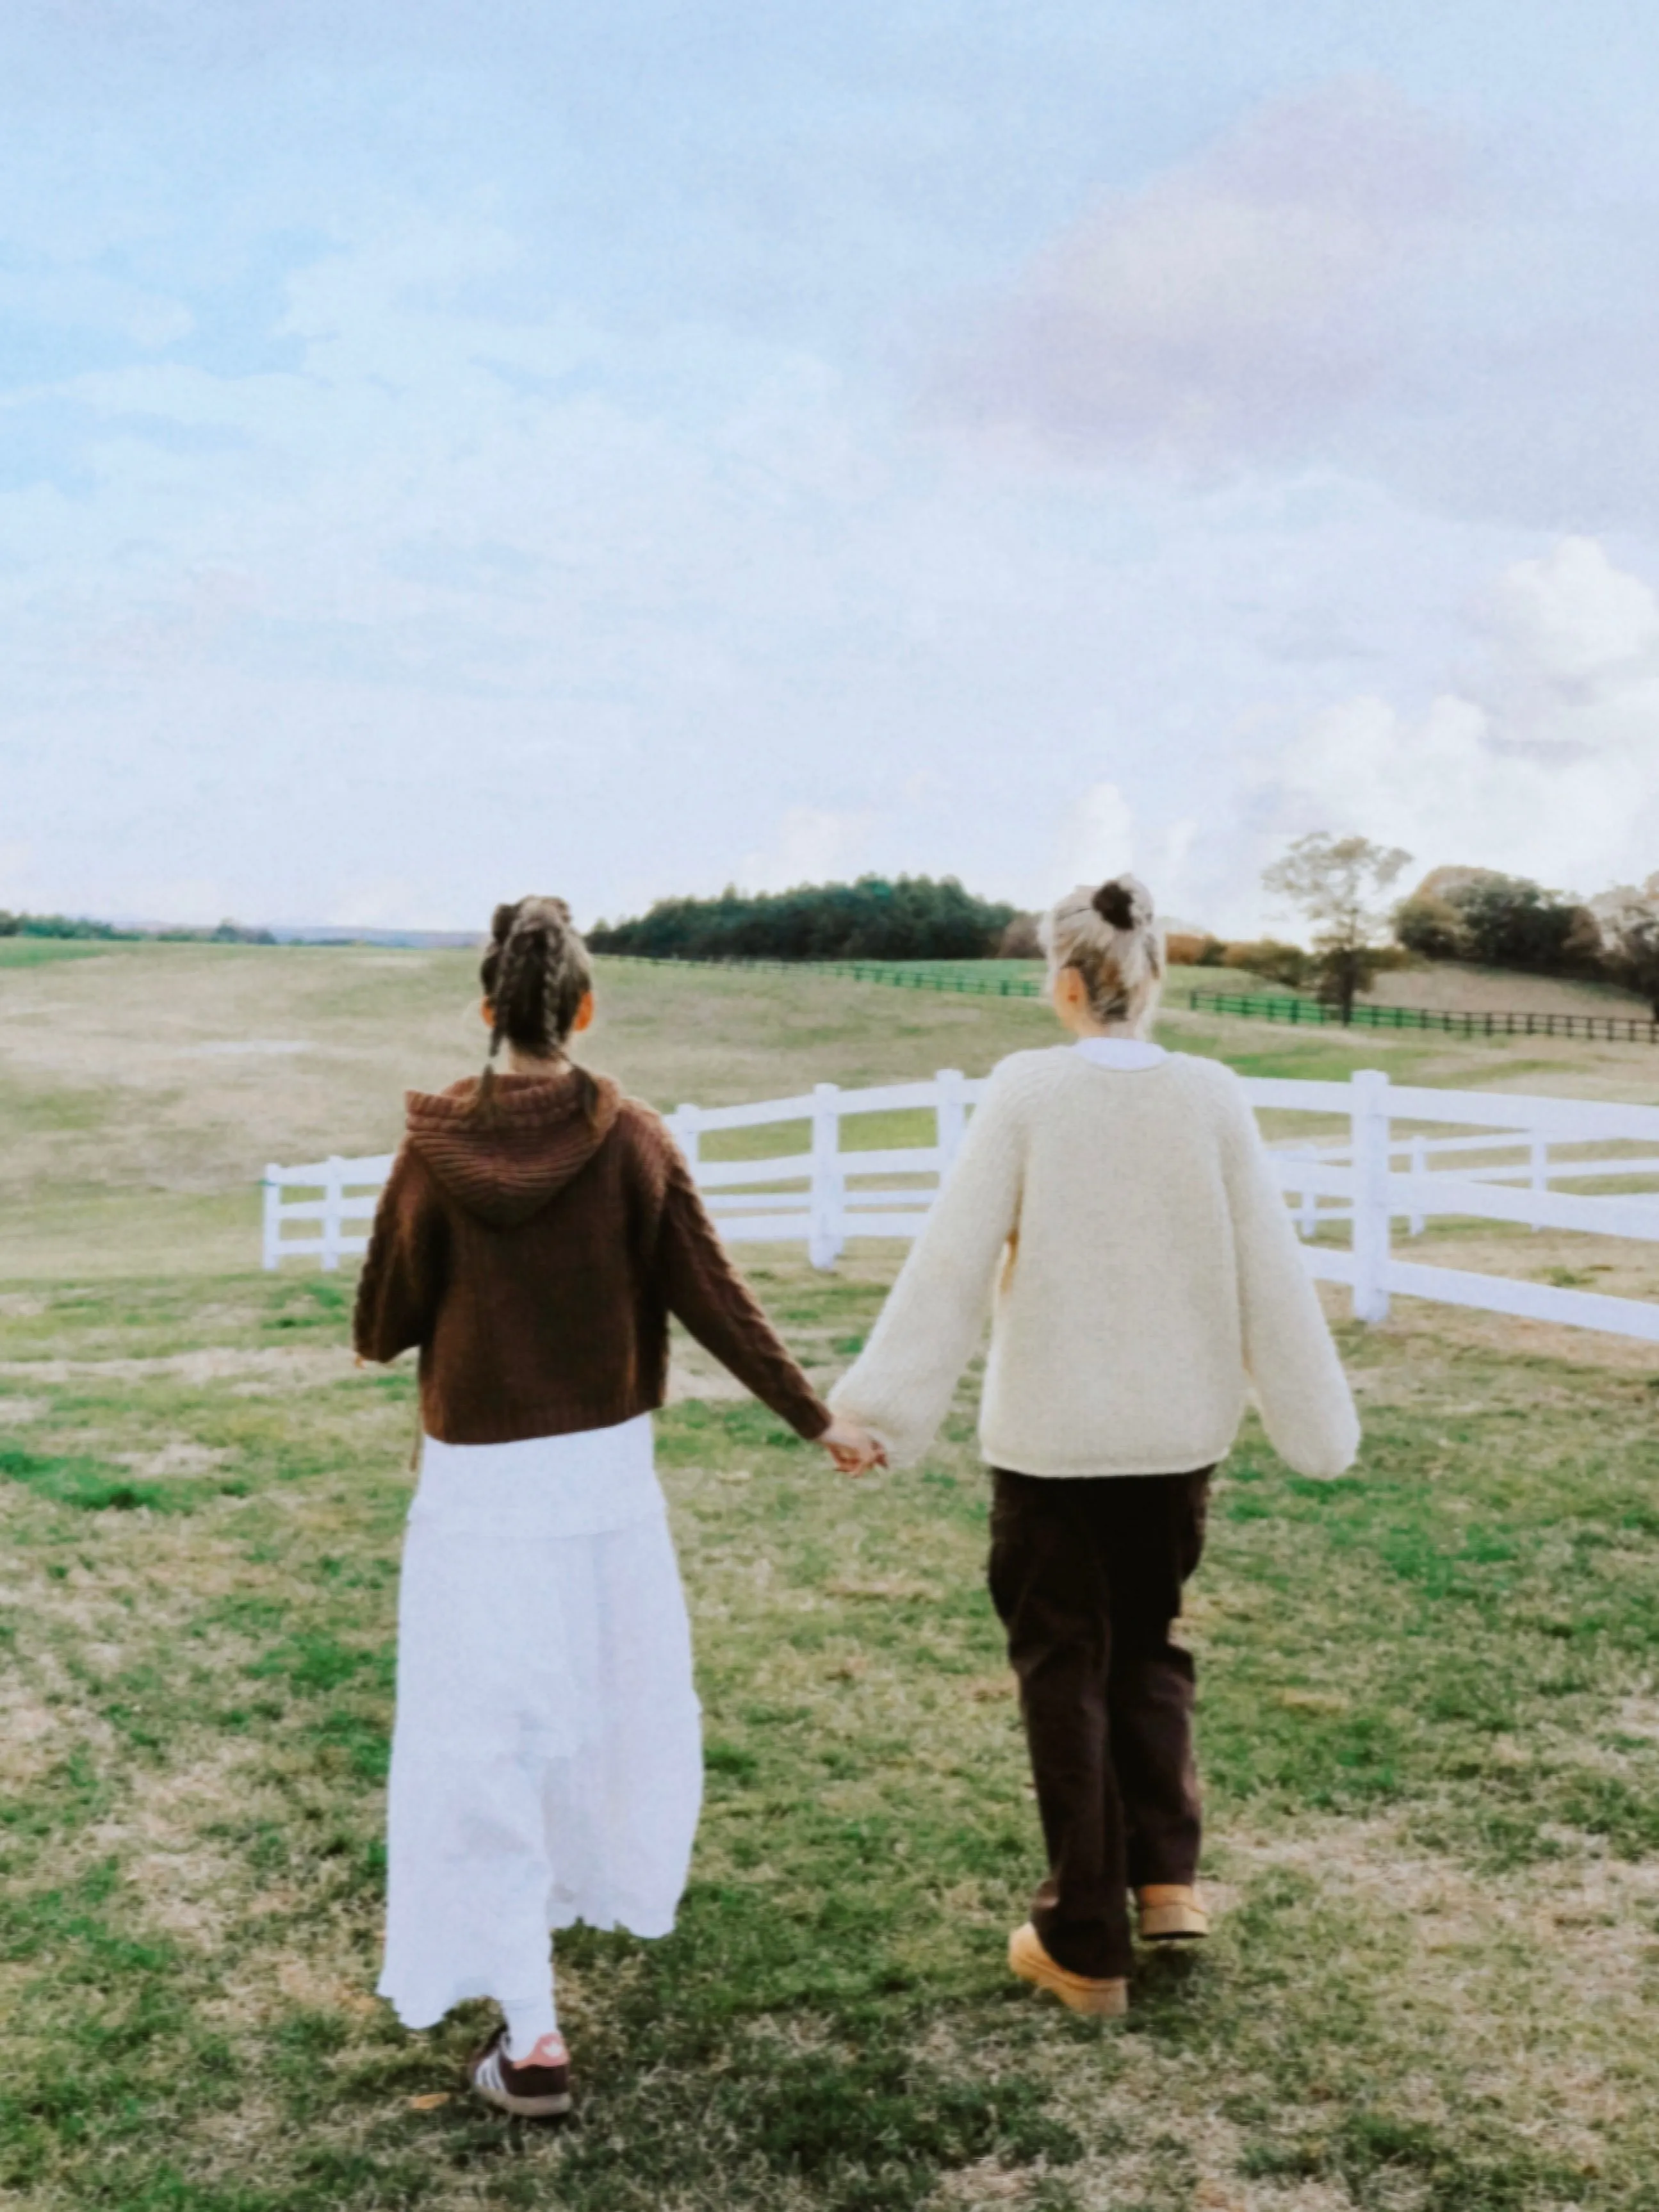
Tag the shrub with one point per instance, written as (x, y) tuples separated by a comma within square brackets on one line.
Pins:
[(1430, 926), (1188, 948), (1633, 956), (1502, 921), (1509, 922), (1342, 972), (1280, 963)]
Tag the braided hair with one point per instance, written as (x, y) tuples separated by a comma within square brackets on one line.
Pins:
[(1111, 936), (535, 975)]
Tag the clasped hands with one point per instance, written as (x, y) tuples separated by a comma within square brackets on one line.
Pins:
[(852, 1447)]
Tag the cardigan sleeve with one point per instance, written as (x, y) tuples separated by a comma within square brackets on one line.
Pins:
[(900, 1385), (704, 1290), (1305, 1403), (403, 1276)]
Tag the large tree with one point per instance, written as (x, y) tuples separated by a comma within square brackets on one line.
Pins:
[(1339, 883)]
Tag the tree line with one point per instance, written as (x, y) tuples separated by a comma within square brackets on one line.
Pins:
[(78, 926), (876, 918), (1341, 885), (1479, 915)]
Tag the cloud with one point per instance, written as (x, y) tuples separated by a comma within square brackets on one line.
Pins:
[(16, 868), (381, 903), (1547, 766), (1340, 281), (83, 300), (1097, 839), (812, 845), (1232, 303)]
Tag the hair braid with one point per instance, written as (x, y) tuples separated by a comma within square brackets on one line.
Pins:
[(535, 975)]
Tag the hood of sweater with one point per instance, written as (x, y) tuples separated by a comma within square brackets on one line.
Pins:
[(505, 1165)]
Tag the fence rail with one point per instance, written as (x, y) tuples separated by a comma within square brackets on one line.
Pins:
[(1395, 1162)]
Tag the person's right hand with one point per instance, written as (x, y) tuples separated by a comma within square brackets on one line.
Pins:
[(852, 1447)]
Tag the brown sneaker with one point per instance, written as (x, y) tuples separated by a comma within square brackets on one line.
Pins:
[(1106, 1999), (1170, 1912), (529, 2093)]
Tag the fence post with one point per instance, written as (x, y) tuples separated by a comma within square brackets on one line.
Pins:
[(1419, 1166), (1370, 1195), (951, 1115), (333, 1175), (273, 1219), (1307, 1204), (826, 1231), (685, 1124), (1541, 1171)]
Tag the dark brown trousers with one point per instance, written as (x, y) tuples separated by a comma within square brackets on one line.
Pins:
[(1086, 1574)]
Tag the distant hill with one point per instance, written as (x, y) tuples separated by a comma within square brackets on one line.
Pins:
[(427, 940), (129, 929)]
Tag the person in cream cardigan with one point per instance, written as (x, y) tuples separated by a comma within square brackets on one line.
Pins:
[(1113, 1207)]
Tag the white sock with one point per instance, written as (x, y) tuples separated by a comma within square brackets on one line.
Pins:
[(528, 2020)]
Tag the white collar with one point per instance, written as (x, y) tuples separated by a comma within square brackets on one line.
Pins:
[(1123, 1053)]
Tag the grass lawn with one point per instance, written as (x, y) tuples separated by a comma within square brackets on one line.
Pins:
[(1430, 1702), (1429, 1710)]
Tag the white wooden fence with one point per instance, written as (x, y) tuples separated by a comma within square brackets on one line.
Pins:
[(1395, 1162)]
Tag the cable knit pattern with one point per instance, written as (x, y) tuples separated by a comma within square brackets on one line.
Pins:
[(1142, 1273)]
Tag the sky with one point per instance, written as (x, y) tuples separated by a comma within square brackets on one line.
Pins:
[(459, 448)]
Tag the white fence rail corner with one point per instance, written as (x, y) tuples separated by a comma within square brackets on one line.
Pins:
[(1393, 1164)]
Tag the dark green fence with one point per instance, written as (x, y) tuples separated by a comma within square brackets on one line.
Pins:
[(1309, 1013), (1305, 1014), (921, 977)]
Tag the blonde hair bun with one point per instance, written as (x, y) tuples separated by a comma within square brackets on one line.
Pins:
[(1124, 902), (1110, 936)]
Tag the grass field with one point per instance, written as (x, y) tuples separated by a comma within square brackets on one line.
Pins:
[(1430, 1702), (143, 1087)]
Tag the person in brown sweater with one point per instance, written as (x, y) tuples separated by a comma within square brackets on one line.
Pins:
[(535, 1233)]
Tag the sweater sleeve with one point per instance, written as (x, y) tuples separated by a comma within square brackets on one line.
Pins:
[(1306, 1404), (706, 1292), (900, 1385), (403, 1276)]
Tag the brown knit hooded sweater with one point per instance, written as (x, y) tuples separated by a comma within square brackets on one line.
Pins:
[(535, 1252)]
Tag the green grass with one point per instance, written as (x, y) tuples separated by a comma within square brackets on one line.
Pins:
[(36, 951), (1429, 1727)]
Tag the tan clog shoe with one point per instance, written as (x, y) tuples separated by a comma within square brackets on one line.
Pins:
[(1170, 1912), (1105, 1999)]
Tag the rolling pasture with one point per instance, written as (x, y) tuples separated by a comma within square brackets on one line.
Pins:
[(1430, 1696)]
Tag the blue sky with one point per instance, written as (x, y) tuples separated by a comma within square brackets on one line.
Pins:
[(447, 450)]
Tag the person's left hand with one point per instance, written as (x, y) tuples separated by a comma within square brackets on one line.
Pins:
[(852, 1447)]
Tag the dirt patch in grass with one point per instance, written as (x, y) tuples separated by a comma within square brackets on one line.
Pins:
[(295, 1367), (178, 1455)]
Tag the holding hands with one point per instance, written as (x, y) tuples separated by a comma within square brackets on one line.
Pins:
[(853, 1448)]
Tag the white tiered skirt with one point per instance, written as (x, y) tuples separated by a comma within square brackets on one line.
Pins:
[(547, 1757)]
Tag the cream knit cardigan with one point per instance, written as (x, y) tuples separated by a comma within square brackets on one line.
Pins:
[(1142, 1274)]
